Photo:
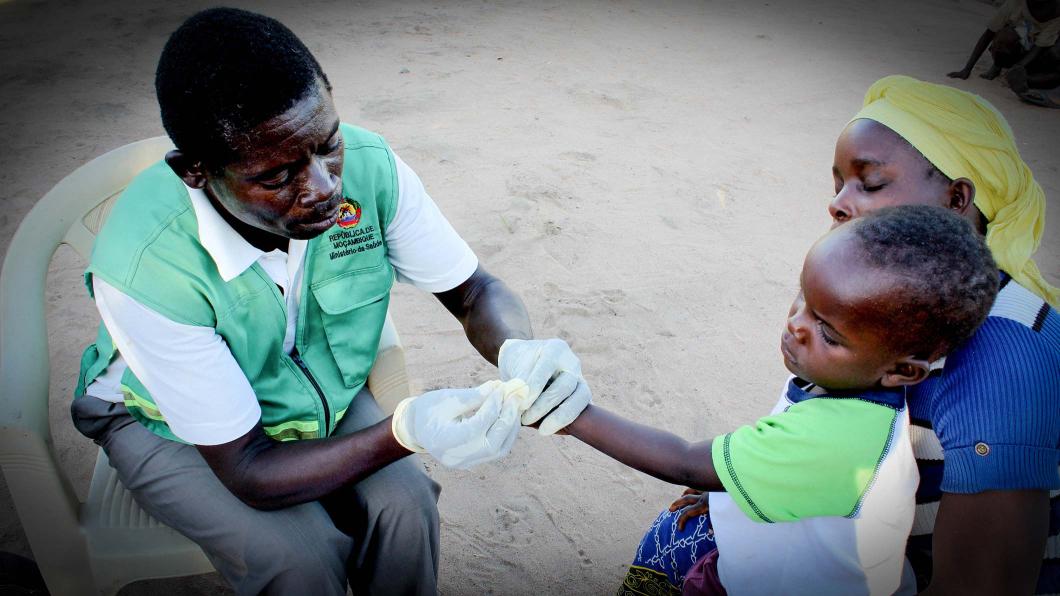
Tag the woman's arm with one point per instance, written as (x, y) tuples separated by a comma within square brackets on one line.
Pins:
[(658, 453), (1008, 562)]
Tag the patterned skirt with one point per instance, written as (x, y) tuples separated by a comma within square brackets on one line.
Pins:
[(666, 554)]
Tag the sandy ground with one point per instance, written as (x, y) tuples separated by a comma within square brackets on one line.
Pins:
[(647, 176)]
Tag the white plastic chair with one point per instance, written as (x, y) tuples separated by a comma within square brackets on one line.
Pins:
[(98, 546)]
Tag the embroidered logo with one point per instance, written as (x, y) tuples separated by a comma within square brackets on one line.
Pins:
[(349, 214)]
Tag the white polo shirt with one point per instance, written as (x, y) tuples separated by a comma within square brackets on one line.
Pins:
[(190, 372)]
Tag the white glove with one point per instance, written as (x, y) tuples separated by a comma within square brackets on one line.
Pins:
[(570, 392), (536, 362), (461, 427)]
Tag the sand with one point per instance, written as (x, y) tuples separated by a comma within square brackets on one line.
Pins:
[(646, 175)]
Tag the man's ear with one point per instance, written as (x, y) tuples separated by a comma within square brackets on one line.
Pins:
[(961, 196), (907, 371), (189, 170)]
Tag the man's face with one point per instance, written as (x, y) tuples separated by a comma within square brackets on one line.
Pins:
[(287, 178), (875, 168), (834, 336)]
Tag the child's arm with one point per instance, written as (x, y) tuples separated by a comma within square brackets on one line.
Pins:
[(652, 451)]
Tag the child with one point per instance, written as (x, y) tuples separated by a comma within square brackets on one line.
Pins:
[(818, 497)]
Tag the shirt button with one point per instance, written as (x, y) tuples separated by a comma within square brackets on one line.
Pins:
[(982, 449)]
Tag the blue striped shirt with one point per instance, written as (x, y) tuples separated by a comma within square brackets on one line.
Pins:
[(989, 419)]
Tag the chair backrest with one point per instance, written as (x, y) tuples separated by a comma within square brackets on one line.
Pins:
[(71, 213)]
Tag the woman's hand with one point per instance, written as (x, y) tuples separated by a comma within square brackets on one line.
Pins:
[(695, 504)]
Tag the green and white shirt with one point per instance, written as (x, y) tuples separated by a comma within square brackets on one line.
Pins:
[(820, 496)]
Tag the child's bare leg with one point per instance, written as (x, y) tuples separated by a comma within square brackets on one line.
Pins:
[(1006, 50)]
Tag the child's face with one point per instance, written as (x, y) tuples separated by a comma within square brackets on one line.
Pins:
[(834, 333)]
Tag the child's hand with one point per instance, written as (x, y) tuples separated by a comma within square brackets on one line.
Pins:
[(695, 504)]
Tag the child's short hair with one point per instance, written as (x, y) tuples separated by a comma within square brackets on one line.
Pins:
[(946, 278)]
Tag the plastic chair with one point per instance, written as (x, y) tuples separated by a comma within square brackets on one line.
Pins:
[(98, 546)]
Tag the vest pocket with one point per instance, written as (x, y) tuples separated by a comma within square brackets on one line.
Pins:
[(352, 310)]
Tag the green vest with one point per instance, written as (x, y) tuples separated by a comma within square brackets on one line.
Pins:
[(149, 249)]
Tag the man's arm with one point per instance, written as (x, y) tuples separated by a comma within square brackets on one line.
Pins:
[(489, 312), (267, 474), (977, 52), (989, 542), (192, 374), (427, 252), (207, 400), (652, 451), (491, 315)]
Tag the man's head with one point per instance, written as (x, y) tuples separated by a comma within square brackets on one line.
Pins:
[(885, 295), (250, 111)]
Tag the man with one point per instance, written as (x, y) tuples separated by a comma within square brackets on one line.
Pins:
[(243, 284), (1022, 38)]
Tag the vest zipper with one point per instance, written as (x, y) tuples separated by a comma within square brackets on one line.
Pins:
[(320, 392)]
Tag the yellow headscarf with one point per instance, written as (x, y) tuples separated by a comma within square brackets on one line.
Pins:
[(966, 137)]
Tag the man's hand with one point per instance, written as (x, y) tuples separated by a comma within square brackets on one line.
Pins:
[(462, 427), (694, 502), (537, 362), (959, 74)]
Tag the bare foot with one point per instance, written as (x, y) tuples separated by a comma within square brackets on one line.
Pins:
[(992, 73)]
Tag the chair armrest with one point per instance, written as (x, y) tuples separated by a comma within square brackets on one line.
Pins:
[(388, 380)]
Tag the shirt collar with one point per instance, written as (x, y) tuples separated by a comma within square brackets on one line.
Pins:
[(801, 390), (230, 252)]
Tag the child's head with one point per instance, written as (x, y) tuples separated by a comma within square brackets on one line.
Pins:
[(886, 294)]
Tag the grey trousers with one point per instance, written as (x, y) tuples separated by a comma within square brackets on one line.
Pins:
[(380, 534)]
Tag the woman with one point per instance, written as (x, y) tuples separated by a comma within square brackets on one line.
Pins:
[(986, 431)]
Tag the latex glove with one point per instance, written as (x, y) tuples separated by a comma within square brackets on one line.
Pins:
[(498, 441), (461, 427), (570, 392), (537, 362)]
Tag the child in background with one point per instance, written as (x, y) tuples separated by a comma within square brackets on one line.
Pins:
[(818, 497)]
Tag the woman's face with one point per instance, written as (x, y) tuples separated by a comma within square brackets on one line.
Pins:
[(874, 168)]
